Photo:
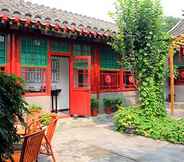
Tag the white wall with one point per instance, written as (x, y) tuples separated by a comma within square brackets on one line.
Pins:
[(43, 101), (63, 97)]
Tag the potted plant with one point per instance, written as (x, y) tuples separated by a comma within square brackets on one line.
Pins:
[(94, 107), (116, 103), (34, 111), (45, 119), (13, 107), (107, 105)]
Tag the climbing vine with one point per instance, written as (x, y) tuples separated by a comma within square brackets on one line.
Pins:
[(143, 47)]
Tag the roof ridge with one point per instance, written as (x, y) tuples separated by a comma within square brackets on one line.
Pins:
[(66, 11)]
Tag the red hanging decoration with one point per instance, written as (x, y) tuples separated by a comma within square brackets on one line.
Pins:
[(108, 79), (182, 75), (131, 79)]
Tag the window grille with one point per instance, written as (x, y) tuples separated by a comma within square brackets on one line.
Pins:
[(109, 80), (128, 79), (81, 78), (34, 52), (108, 59), (81, 50), (58, 46), (56, 64), (35, 78), (2, 50)]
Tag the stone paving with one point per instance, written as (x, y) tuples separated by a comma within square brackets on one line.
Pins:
[(94, 140)]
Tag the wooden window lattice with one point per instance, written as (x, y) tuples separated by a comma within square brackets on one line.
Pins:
[(108, 59), (34, 52), (35, 78), (128, 79), (59, 46), (109, 80), (81, 50), (2, 50)]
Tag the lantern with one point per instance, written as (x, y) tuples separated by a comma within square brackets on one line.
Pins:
[(131, 79), (108, 79)]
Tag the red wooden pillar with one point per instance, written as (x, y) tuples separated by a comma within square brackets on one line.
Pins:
[(97, 71), (49, 77), (15, 67), (122, 86)]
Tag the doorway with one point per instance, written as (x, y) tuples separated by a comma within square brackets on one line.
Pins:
[(60, 83), (81, 86)]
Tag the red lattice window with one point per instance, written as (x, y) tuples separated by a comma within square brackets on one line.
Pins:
[(128, 80), (180, 77), (35, 78), (82, 78), (109, 80), (81, 74)]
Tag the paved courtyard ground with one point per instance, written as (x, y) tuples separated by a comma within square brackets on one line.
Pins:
[(94, 140)]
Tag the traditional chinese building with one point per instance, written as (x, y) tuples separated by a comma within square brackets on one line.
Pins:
[(61, 53), (178, 61)]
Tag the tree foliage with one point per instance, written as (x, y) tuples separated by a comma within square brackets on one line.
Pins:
[(143, 47), (12, 107), (170, 22)]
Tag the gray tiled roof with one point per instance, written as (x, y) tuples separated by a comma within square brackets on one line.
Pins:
[(54, 15), (178, 29)]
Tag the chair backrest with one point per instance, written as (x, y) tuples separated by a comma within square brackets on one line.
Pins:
[(31, 146), (51, 129), (33, 126)]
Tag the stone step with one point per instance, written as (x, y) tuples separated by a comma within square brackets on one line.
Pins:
[(177, 105)]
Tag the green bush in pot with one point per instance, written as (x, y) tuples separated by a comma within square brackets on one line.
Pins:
[(94, 107), (108, 103)]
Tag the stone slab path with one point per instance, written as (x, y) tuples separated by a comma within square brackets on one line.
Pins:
[(94, 140)]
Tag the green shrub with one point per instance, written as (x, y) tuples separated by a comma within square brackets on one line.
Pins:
[(107, 102), (94, 103), (12, 107), (45, 119), (116, 102), (162, 128)]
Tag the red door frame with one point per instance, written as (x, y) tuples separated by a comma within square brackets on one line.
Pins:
[(62, 54), (76, 110)]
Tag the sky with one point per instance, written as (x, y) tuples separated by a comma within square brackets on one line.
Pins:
[(100, 8)]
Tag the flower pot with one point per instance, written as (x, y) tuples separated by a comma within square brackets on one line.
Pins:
[(54, 116), (94, 112), (108, 110)]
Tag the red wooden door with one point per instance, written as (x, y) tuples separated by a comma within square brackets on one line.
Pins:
[(80, 86)]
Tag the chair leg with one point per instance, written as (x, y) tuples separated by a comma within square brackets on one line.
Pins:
[(52, 153)]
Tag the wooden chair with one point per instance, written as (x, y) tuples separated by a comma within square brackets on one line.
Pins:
[(46, 147), (33, 126), (30, 149)]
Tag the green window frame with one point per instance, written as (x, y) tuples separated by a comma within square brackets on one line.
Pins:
[(178, 60), (34, 52), (109, 59), (3, 56), (82, 50), (59, 46)]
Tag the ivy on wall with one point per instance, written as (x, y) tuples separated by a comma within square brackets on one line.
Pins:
[(143, 47)]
